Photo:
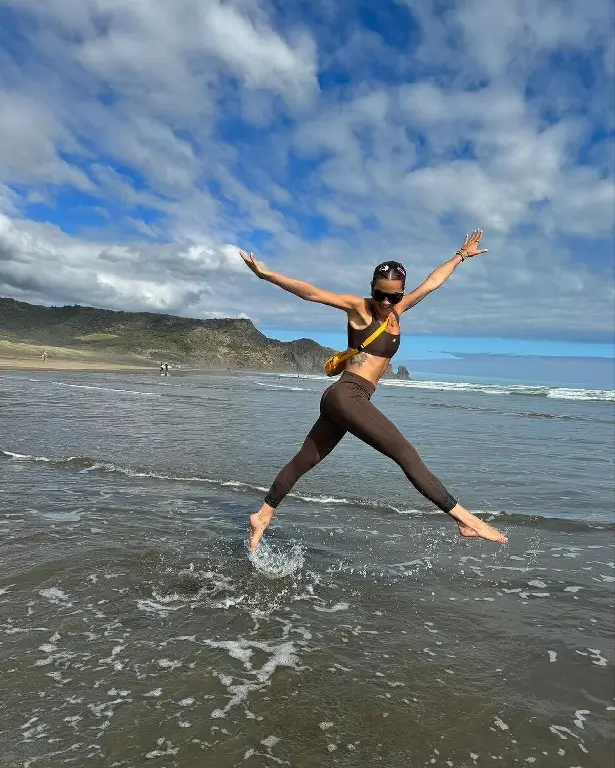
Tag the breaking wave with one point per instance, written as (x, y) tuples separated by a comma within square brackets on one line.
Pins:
[(524, 390)]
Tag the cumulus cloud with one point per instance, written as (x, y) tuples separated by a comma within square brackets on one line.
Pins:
[(40, 263), (139, 140), (32, 140)]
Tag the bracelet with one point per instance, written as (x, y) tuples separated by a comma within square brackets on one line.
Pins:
[(460, 253)]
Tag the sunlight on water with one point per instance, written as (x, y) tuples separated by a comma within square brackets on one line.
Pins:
[(274, 563)]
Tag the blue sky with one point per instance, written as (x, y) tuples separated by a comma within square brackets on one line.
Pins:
[(142, 143), (433, 347)]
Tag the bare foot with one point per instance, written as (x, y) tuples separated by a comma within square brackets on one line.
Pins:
[(466, 532), (258, 522), (471, 526)]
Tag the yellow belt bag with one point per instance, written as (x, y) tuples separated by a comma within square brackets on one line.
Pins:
[(335, 365)]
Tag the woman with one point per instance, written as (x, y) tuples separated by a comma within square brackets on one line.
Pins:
[(346, 407)]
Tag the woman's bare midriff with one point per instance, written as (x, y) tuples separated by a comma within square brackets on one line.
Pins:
[(370, 367)]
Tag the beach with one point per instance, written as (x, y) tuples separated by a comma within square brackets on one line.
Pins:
[(27, 364), (135, 629), (22, 356), (17, 356)]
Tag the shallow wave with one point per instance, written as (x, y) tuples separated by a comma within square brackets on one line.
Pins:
[(558, 393), (522, 414), (88, 464), (563, 393), (310, 376), (92, 387), (107, 389), (282, 386)]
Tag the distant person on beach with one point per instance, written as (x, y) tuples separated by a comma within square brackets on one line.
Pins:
[(346, 405), (161, 369), (44, 357), (166, 369)]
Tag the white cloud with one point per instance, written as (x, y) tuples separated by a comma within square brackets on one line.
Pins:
[(151, 49), (258, 55), (30, 138), (198, 124), (38, 262)]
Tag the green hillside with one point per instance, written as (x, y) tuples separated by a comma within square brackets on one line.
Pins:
[(146, 336)]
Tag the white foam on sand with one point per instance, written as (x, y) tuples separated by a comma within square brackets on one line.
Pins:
[(501, 724), (334, 609), (580, 719), (55, 595), (63, 517), (283, 654), (151, 606)]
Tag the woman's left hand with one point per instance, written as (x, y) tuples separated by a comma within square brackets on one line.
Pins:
[(471, 244)]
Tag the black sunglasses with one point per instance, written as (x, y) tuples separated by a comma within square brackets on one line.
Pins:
[(394, 298)]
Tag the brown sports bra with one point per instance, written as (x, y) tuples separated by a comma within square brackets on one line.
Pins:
[(386, 345)]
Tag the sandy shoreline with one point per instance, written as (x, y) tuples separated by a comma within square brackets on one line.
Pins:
[(72, 365), (22, 356), (106, 366)]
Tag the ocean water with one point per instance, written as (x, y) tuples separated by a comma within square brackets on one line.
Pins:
[(136, 630)]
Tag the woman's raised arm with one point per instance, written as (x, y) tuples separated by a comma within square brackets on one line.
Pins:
[(305, 291), (469, 248)]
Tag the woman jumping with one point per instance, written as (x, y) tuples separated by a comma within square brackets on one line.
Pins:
[(345, 406)]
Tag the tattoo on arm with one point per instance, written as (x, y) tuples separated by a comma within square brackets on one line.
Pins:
[(358, 359)]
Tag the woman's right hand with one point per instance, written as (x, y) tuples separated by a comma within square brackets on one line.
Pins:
[(471, 245), (258, 270)]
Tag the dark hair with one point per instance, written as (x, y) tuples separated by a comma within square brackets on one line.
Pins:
[(390, 270)]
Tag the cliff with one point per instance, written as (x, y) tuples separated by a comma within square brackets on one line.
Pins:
[(146, 336)]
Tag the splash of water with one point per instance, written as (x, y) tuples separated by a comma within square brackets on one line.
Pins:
[(274, 563)]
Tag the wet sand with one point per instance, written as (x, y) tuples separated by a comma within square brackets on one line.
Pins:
[(100, 366)]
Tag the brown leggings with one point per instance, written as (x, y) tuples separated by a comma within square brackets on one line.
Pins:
[(346, 407)]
